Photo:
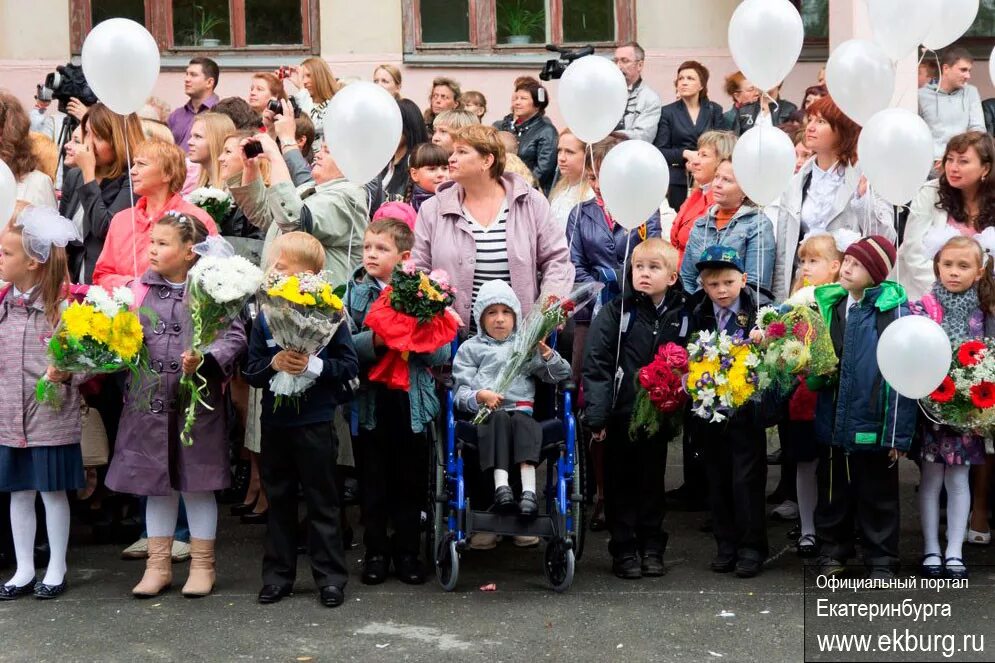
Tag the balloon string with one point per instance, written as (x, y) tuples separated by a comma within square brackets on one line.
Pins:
[(905, 87), (131, 193), (621, 313)]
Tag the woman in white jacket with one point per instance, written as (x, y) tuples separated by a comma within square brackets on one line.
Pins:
[(316, 85), (827, 194), (963, 197)]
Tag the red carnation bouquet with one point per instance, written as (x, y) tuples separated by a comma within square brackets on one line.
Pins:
[(412, 314), (966, 398), (660, 396)]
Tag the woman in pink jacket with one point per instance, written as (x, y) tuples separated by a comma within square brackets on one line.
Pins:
[(487, 224), (157, 173)]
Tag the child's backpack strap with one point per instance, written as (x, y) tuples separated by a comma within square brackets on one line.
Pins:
[(932, 308)]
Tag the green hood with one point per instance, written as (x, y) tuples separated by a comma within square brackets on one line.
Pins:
[(885, 297)]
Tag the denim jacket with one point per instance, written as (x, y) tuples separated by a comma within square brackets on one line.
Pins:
[(750, 232)]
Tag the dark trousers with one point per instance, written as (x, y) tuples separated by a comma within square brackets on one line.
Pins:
[(507, 438), (635, 501), (859, 491), (392, 464), (305, 456), (695, 486), (736, 465)]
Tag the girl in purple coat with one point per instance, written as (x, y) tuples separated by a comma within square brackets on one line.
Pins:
[(149, 458), (39, 444)]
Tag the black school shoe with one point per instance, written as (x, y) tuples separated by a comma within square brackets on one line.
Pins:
[(627, 567), (375, 570), (13, 592), (331, 596), (504, 499), (45, 592), (409, 570), (723, 562), (274, 593), (529, 505), (652, 565), (748, 567)]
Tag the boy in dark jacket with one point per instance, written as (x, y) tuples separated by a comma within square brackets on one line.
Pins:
[(651, 314), (392, 444), (735, 450), (862, 426), (299, 446)]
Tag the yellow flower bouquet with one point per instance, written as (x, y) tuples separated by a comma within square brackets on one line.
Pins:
[(99, 335), (722, 374), (303, 312)]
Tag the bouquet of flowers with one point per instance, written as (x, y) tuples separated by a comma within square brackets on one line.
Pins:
[(303, 312), (660, 394), (219, 285), (796, 344), (722, 374), (966, 398), (549, 313), (413, 314), (99, 335), (215, 202)]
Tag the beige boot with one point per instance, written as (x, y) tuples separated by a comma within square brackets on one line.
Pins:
[(158, 568), (202, 576)]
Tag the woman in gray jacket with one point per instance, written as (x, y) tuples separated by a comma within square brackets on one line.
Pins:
[(827, 194)]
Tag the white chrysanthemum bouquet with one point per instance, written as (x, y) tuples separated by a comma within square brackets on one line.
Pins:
[(215, 202), (218, 287)]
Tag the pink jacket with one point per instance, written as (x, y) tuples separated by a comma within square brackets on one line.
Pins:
[(124, 251), (537, 247)]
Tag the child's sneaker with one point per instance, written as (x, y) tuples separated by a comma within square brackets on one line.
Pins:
[(786, 510), (830, 567), (525, 541), (627, 567)]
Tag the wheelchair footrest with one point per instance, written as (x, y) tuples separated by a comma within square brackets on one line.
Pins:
[(510, 524)]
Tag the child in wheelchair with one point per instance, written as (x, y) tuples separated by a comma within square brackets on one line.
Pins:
[(509, 436)]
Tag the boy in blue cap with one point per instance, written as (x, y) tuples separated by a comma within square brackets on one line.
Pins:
[(734, 451)]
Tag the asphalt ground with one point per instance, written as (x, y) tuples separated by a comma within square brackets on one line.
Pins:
[(690, 614)]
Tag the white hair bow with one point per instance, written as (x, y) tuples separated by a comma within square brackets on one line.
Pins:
[(986, 238), (42, 228), (936, 238), (215, 246)]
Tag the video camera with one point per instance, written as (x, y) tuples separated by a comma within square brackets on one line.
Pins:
[(66, 82), (553, 69)]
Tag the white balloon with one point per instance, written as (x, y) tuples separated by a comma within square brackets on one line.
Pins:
[(914, 355), (362, 130), (955, 18), (764, 162), (991, 66), (634, 178), (861, 79), (899, 26), (8, 193), (765, 38), (121, 64), (592, 97), (895, 149)]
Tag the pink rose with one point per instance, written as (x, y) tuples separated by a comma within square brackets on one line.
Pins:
[(440, 276), (674, 355), (776, 330), (408, 267)]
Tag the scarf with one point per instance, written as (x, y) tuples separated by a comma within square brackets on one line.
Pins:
[(957, 311)]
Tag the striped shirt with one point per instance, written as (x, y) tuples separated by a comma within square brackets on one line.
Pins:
[(492, 251)]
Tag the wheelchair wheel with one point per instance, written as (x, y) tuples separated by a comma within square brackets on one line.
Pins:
[(559, 564), (447, 563)]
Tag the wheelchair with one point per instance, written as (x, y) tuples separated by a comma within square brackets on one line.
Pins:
[(560, 523)]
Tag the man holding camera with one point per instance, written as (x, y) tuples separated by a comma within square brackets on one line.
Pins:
[(198, 84), (642, 112)]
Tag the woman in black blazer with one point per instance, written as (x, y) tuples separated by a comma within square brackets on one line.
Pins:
[(682, 123)]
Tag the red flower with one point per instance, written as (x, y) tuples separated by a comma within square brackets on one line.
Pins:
[(674, 355), (983, 395), (945, 392), (968, 354), (800, 330), (568, 306), (776, 329)]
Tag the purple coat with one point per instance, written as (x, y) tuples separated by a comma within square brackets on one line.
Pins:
[(148, 457)]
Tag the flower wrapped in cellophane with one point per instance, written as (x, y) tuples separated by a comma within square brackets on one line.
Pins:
[(218, 286), (660, 395), (216, 202), (965, 400), (722, 374), (99, 335), (303, 312), (412, 315), (549, 313), (796, 344)]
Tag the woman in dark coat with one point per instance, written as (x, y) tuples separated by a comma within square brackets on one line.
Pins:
[(682, 123), (537, 137), (102, 189), (396, 177)]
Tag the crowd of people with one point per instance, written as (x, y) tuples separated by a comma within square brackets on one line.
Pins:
[(507, 211)]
